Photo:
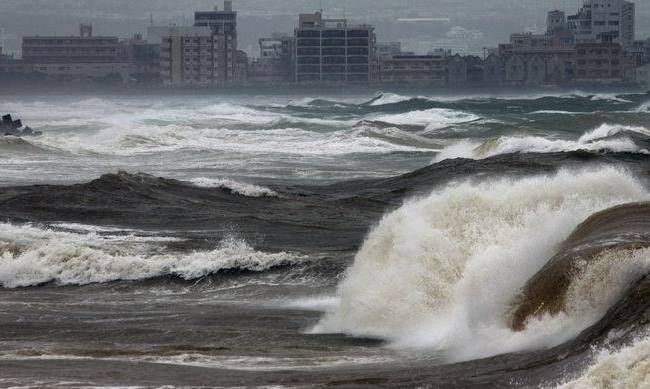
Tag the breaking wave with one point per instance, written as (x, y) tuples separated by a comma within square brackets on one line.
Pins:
[(602, 138), (236, 187), (429, 119), (388, 98), (32, 256), (169, 138), (442, 272)]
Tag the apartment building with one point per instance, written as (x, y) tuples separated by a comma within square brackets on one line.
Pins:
[(332, 50), (223, 24), (204, 54), (601, 21), (187, 56)]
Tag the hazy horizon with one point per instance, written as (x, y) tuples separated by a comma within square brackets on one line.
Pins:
[(483, 24)]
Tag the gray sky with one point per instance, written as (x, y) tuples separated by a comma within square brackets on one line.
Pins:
[(482, 22)]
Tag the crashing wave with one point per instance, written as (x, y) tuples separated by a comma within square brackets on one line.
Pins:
[(442, 271), (430, 119), (237, 187), (33, 256), (609, 97), (387, 98), (599, 139)]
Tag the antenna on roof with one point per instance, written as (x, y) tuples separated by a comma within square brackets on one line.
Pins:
[(151, 19), (321, 6)]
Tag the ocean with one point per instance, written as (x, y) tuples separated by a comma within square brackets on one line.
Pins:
[(369, 240)]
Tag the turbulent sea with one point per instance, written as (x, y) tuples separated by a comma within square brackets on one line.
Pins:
[(326, 241)]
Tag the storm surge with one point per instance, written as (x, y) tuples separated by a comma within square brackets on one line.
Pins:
[(444, 272), (350, 241)]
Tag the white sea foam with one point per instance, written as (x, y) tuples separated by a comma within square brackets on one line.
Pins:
[(390, 98), (442, 272), (627, 368), (430, 118), (239, 363), (601, 138), (314, 303), (32, 256), (608, 130), (609, 97), (146, 139), (237, 187)]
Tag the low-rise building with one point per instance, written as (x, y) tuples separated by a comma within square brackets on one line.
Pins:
[(465, 71), (414, 69), (77, 57), (388, 49), (536, 65), (603, 63)]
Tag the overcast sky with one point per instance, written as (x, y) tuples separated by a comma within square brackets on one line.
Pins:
[(486, 22)]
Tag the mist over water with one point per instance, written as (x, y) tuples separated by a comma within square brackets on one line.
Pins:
[(326, 240)]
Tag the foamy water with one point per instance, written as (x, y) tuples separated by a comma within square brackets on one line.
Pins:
[(602, 138), (441, 272), (292, 137), (626, 368), (32, 256)]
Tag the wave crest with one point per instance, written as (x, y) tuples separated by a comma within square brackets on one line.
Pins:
[(32, 256), (236, 187), (442, 271), (602, 138)]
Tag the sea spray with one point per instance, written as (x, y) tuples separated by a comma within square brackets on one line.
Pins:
[(441, 272)]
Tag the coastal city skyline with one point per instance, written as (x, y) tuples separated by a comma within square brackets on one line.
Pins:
[(361, 194), (261, 18), (597, 43)]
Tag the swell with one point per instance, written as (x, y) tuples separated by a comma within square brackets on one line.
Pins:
[(333, 217), (574, 102)]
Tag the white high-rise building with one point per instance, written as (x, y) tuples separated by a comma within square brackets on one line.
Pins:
[(604, 21)]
